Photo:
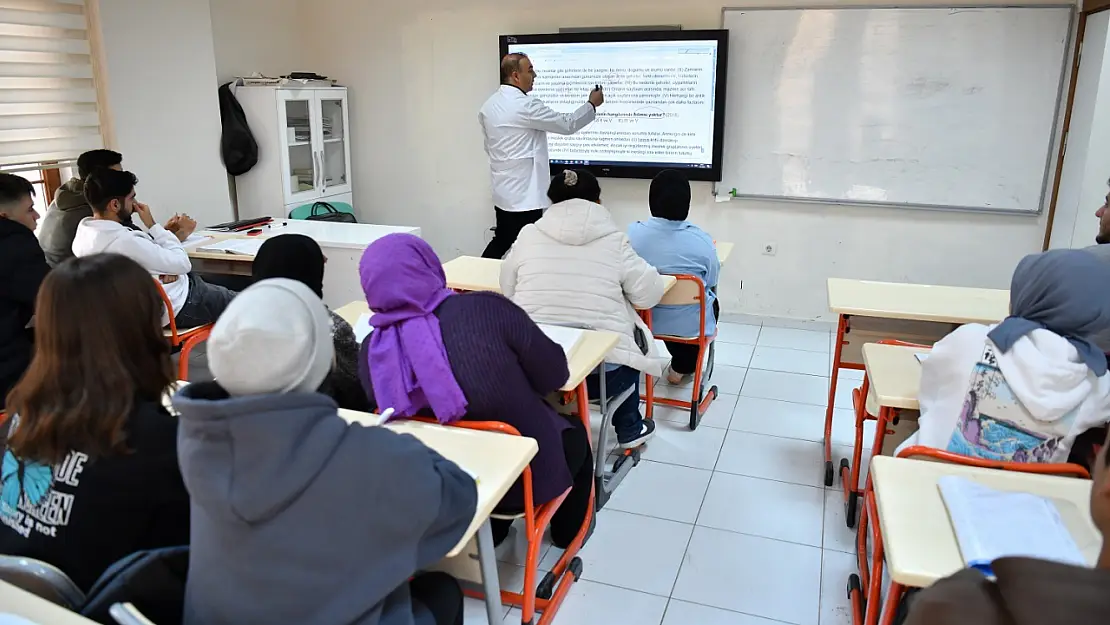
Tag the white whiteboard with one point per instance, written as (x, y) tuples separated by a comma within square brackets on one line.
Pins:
[(927, 107)]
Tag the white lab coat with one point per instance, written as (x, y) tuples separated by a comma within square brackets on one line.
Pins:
[(515, 126)]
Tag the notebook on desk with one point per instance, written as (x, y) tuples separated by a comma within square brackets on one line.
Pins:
[(241, 247), (990, 524), (567, 338)]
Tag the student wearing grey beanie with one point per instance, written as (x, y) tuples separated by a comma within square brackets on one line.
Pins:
[(298, 516)]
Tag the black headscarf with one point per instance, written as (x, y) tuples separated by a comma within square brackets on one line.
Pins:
[(293, 256), (669, 196)]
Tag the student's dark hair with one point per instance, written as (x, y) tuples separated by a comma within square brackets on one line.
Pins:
[(511, 63), (14, 188), (669, 195), (574, 184), (99, 348), (104, 185), (93, 160)]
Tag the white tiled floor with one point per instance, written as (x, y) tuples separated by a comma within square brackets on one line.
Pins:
[(729, 524)]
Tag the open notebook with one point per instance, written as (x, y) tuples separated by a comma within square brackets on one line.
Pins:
[(567, 338), (991, 524), (243, 247)]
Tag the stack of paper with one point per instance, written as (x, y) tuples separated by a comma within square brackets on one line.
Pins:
[(362, 327), (991, 524), (567, 338), (244, 247)]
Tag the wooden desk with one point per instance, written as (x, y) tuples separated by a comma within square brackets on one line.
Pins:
[(918, 302), (470, 273), (894, 374), (14, 600), (497, 460), (341, 243), (587, 354), (917, 534), (724, 250)]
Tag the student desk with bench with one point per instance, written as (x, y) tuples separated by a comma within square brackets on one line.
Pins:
[(341, 243), (913, 532), (890, 384), (869, 311)]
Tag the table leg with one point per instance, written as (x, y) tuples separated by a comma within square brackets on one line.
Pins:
[(491, 585), (841, 328)]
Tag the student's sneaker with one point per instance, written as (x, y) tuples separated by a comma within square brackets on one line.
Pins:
[(647, 430)]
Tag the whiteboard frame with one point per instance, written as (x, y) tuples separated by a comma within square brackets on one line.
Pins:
[(1053, 147)]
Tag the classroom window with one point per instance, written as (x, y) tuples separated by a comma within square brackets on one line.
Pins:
[(49, 111)]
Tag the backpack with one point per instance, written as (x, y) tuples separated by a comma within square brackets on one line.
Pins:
[(238, 149), (154, 581)]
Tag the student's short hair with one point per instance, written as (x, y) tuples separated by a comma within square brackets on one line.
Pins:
[(14, 188), (509, 64), (574, 184), (105, 185), (93, 160)]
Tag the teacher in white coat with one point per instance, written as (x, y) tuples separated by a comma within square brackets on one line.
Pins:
[(515, 126)]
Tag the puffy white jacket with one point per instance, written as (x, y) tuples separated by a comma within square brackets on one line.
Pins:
[(1026, 405), (575, 267)]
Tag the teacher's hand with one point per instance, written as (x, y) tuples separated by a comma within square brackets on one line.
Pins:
[(597, 98)]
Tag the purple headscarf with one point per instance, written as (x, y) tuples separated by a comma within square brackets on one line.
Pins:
[(404, 283)]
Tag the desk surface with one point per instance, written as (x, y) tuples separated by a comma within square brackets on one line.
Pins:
[(470, 273), (14, 600), (917, 534), (919, 302), (894, 373), (588, 353), (327, 234), (724, 250), (497, 459)]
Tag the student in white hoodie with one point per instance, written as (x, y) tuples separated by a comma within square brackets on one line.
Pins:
[(158, 249), (575, 267), (1024, 389)]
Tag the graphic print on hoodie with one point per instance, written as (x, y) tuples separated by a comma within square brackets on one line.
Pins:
[(994, 424)]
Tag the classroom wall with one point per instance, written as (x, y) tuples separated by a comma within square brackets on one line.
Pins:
[(419, 71), (1087, 158), (160, 72), (256, 36)]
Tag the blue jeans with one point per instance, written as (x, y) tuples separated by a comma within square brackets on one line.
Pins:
[(204, 304), (627, 419)]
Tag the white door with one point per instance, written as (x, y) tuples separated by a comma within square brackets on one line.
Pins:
[(335, 146), (298, 122)]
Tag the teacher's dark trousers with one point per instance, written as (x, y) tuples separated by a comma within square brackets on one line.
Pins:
[(507, 228)]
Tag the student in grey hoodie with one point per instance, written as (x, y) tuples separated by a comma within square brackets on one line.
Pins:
[(70, 207), (298, 517)]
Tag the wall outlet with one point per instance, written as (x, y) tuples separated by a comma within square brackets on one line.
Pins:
[(770, 249)]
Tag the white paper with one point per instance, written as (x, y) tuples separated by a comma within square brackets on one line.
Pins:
[(195, 239), (362, 327), (921, 356), (991, 524), (244, 247), (567, 338), (6, 618)]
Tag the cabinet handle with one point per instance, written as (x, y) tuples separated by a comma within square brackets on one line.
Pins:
[(318, 174)]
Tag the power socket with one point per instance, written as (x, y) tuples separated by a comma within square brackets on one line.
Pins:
[(770, 249)]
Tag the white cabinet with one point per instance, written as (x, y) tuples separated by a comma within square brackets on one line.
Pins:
[(304, 151)]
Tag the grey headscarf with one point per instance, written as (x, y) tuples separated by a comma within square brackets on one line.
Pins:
[(1064, 291)]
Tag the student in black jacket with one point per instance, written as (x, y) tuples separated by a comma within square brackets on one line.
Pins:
[(90, 470), (22, 268)]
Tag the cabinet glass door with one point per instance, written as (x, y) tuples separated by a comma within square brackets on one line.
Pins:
[(300, 159), (335, 148)]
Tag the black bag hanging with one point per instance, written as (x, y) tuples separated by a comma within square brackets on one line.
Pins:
[(330, 213), (238, 149)]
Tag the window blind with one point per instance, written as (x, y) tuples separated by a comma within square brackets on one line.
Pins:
[(48, 99)]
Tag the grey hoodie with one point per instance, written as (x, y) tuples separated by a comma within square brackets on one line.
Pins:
[(298, 517), (60, 223)]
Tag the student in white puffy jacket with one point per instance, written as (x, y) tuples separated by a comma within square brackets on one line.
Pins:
[(576, 267), (1024, 389)]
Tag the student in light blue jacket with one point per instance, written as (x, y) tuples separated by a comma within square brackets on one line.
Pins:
[(676, 246)]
